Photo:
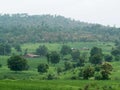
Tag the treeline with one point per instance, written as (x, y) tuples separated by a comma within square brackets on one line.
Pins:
[(24, 28)]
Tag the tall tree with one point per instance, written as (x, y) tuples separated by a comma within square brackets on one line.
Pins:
[(54, 57)]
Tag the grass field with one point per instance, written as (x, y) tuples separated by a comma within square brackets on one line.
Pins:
[(59, 85)]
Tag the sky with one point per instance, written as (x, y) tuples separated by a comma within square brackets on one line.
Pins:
[(104, 12)]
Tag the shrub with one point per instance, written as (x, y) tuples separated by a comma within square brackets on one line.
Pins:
[(42, 68), (17, 63), (98, 76)]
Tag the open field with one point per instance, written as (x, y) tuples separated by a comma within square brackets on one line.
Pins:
[(106, 47), (59, 85)]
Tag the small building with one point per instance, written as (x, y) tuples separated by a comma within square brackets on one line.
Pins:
[(31, 55)]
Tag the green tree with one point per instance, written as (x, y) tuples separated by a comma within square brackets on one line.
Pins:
[(80, 61), (42, 50), (18, 48), (106, 70), (42, 68), (17, 63), (75, 54), (88, 72), (5, 49), (95, 50), (68, 65), (108, 58), (115, 52), (65, 50), (54, 57), (96, 59)]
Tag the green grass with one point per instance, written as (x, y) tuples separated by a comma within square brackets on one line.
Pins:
[(78, 45), (58, 85)]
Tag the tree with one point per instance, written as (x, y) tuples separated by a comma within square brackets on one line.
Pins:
[(96, 59), (5, 49), (115, 52), (88, 72), (42, 50), (18, 48), (68, 65), (106, 70), (117, 58), (65, 50), (95, 50), (42, 68), (75, 54), (108, 58), (17, 63), (81, 61), (54, 57)]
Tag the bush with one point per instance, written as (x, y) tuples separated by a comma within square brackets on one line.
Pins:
[(108, 58), (51, 77), (65, 50), (59, 70), (17, 63), (68, 65), (98, 76), (117, 58), (42, 68)]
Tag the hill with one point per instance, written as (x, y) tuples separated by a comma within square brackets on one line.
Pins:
[(24, 28)]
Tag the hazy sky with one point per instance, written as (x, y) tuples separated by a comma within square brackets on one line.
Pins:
[(95, 11)]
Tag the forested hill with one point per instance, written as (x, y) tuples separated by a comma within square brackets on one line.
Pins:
[(22, 28)]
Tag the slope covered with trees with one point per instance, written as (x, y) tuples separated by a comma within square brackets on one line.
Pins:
[(23, 28)]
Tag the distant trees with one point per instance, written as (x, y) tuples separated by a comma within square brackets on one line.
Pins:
[(49, 28), (5, 49), (42, 50), (65, 50), (42, 68), (17, 63)]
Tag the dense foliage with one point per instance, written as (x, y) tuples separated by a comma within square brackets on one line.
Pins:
[(17, 63), (22, 28), (42, 68)]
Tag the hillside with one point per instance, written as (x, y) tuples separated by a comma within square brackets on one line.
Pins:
[(24, 28)]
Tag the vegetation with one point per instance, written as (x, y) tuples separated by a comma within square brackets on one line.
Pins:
[(24, 28), (17, 63), (67, 50), (42, 68)]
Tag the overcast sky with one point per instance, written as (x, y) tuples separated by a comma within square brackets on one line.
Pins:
[(105, 12)]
